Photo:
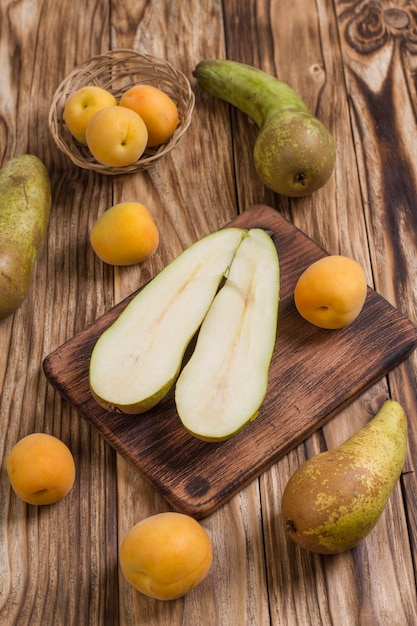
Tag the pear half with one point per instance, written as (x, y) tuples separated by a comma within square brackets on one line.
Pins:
[(137, 359), (224, 383)]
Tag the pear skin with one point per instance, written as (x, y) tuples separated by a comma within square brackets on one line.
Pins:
[(294, 153), (335, 498), (25, 205)]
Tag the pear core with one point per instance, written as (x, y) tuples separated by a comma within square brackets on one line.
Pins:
[(224, 383)]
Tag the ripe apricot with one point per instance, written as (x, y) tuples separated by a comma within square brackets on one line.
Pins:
[(125, 234), (41, 469), (156, 108), (116, 137), (164, 556), (82, 105), (331, 292)]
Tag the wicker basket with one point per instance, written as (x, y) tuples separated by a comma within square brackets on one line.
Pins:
[(117, 71)]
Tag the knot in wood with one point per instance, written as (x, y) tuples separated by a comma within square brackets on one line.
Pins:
[(397, 18), (372, 27), (317, 72), (367, 30)]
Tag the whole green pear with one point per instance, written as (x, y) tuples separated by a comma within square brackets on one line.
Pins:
[(25, 204), (294, 153), (335, 498)]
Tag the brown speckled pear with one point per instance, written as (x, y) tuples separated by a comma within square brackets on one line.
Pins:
[(335, 498), (294, 153)]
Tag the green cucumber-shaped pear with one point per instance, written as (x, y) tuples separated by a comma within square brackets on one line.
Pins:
[(335, 498), (294, 153)]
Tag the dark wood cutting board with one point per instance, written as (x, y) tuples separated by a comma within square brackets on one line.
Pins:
[(314, 373)]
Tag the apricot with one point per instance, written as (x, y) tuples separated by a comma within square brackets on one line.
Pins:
[(164, 556), (125, 234), (156, 108), (116, 137), (41, 469), (331, 292), (82, 105)]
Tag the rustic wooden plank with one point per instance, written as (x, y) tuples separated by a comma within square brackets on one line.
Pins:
[(379, 59), (189, 198), (58, 562), (299, 45), (190, 193)]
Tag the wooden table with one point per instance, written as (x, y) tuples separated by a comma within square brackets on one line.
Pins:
[(354, 63)]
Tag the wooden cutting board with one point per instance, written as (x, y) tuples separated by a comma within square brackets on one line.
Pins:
[(314, 373)]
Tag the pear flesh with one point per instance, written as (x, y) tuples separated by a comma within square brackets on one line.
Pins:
[(224, 383), (136, 360), (335, 498)]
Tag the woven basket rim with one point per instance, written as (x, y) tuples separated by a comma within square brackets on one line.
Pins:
[(99, 69)]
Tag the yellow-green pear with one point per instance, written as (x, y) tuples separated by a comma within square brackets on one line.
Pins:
[(25, 204), (294, 153), (136, 361), (222, 386), (335, 498)]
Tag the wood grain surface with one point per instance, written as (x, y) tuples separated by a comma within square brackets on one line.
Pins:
[(309, 381), (354, 63)]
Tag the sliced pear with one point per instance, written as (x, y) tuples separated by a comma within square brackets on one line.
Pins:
[(137, 359), (224, 383)]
